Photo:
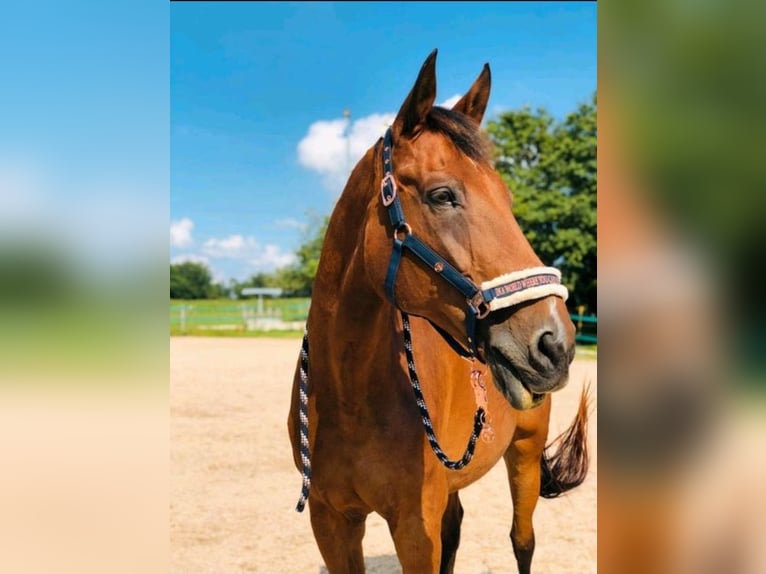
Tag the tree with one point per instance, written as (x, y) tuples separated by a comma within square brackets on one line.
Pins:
[(298, 278), (191, 280), (260, 279), (550, 168)]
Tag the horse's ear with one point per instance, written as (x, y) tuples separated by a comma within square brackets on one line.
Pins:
[(474, 102), (419, 102)]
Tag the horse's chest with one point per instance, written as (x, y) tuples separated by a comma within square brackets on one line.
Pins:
[(490, 448)]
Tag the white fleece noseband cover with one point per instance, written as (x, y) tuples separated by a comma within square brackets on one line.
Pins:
[(525, 285)]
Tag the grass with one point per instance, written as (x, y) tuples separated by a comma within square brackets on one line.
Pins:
[(291, 309), (238, 318)]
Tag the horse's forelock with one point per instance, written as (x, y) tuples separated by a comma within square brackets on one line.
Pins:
[(463, 132)]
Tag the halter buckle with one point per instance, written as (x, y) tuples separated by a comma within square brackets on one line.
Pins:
[(478, 305), (388, 179)]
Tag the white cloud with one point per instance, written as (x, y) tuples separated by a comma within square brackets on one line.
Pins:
[(330, 151), (231, 247), (180, 232), (449, 102), (190, 258), (249, 251), (271, 257), (238, 257)]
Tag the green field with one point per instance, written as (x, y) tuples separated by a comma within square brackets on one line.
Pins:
[(241, 318)]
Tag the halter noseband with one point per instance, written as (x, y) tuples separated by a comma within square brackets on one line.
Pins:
[(503, 291)]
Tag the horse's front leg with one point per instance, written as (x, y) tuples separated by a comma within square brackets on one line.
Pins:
[(451, 521), (339, 538), (522, 460), (416, 529)]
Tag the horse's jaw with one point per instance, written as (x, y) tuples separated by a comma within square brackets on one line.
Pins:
[(508, 382), (513, 380)]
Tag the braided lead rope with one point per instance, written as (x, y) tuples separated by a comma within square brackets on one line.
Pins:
[(304, 416), (478, 419)]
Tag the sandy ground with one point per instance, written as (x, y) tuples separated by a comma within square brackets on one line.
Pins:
[(234, 486)]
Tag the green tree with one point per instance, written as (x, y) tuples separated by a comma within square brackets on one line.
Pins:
[(298, 278), (191, 280), (550, 168), (260, 279)]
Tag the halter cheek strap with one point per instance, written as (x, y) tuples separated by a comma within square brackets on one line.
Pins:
[(503, 291)]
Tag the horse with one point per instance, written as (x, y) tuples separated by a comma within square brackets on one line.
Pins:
[(425, 279)]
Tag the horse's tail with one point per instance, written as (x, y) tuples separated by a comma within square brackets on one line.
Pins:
[(567, 466)]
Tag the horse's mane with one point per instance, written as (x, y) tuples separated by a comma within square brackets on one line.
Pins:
[(463, 132)]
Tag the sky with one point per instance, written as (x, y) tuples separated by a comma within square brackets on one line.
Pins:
[(259, 146)]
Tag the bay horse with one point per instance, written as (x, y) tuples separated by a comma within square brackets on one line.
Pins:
[(424, 278)]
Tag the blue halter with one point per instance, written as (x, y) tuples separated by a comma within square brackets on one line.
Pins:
[(479, 301)]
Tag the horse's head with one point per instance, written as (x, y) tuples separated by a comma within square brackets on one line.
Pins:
[(457, 204)]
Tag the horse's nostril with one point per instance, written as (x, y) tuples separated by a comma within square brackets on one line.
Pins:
[(549, 352), (546, 345)]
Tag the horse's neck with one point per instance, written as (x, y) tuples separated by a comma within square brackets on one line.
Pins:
[(345, 307)]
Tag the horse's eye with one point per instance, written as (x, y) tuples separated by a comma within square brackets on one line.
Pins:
[(442, 196)]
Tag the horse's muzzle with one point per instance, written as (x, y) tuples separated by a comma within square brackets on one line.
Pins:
[(529, 350)]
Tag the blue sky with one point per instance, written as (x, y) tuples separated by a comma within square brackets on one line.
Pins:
[(259, 145)]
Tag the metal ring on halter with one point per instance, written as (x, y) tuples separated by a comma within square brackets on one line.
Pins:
[(479, 305), (388, 178), (403, 228)]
